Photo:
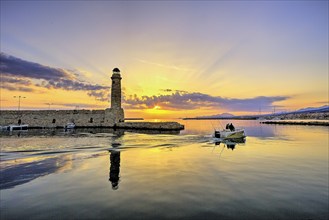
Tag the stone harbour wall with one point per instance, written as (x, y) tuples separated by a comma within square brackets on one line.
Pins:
[(113, 118), (59, 118), (151, 125)]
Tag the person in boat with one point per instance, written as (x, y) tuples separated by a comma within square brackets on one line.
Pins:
[(227, 126), (217, 134), (231, 127), (230, 146)]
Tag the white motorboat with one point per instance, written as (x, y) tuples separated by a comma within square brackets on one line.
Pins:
[(17, 127), (229, 134), (70, 125), (4, 128)]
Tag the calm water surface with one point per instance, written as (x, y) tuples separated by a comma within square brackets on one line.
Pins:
[(280, 172)]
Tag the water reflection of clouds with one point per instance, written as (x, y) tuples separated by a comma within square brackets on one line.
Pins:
[(21, 173), (21, 164), (260, 131)]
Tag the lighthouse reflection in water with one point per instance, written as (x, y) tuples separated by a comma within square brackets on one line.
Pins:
[(114, 167)]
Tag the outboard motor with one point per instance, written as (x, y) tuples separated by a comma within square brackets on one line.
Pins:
[(217, 134)]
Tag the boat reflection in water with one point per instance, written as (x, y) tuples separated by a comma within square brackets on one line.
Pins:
[(230, 143)]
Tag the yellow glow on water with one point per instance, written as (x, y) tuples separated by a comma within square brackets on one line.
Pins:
[(178, 169)]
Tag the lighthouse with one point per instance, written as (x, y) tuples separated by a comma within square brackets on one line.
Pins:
[(116, 89), (115, 114)]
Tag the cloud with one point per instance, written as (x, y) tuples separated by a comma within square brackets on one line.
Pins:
[(15, 84), (10, 80), (15, 88), (166, 90), (171, 90), (100, 95), (20, 75), (183, 100), (14, 66)]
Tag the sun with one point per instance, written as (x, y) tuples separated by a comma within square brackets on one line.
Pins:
[(156, 107)]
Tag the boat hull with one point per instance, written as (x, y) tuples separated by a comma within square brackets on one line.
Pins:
[(17, 127), (228, 134), (69, 126)]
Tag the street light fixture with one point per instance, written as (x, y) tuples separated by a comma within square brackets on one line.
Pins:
[(19, 101), (49, 104)]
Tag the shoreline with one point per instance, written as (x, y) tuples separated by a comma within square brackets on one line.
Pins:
[(157, 126), (231, 118), (311, 123), (324, 115)]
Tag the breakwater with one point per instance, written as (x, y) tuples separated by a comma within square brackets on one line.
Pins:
[(150, 125), (319, 123), (59, 118), (300, 116), (108, 118)]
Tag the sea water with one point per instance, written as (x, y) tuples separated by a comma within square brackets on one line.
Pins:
[(277, 172)]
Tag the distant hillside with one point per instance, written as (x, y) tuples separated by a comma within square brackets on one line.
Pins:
[(223, 115), (304, 113), (324, 108)]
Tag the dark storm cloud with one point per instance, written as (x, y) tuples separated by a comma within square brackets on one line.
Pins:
[(102, 95), (10, 80), (17, 74), (73, 85), (15, 88), (186, 100), (14, 66)]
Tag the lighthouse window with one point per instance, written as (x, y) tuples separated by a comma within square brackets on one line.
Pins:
[(19, 121), (54, 121), (91, 120)]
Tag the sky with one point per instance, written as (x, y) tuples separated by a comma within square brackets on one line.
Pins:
[(177, 58)]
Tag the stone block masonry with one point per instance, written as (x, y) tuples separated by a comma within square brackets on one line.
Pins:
[(108, 118), (150, 125), (59, 118)]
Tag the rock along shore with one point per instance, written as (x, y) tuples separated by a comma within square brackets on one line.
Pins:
[(150, 125), (319, 123)]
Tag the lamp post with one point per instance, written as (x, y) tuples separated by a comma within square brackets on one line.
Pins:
[(19, 101), (49, 104)]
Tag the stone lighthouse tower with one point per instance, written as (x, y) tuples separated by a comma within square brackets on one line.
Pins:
[(116, 89), (115, 114)]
